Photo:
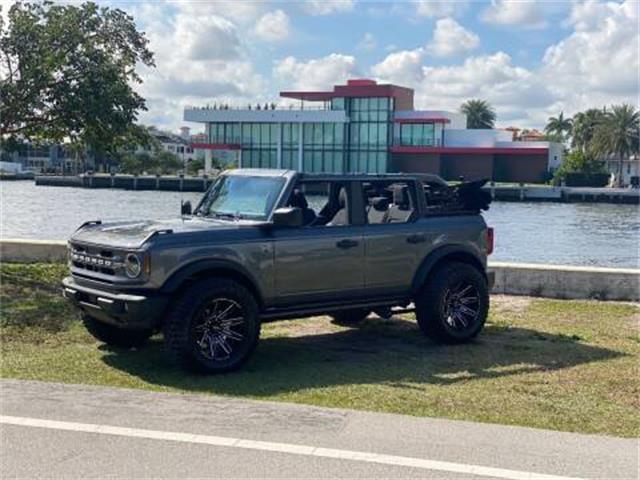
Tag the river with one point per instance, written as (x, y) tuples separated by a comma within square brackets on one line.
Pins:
[(562, 233)]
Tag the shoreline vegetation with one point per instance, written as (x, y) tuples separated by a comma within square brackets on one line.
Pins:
[(553, 364)]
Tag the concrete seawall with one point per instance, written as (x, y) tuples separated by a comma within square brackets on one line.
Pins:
[(538, 280)]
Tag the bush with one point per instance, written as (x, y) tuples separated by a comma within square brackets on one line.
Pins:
[(581, 163)]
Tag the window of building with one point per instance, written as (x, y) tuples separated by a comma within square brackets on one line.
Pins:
[(417, 134)]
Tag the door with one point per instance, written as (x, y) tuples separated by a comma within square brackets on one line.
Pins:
[(321, 261), (394, 243)]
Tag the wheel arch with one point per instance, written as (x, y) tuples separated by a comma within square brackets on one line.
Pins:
[(195, 271), (442, 255)]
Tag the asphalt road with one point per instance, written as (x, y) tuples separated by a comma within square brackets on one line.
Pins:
[(55, 431)]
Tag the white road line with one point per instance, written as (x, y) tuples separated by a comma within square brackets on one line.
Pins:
[(290, 448)]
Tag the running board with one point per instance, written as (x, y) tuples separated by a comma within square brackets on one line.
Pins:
[(323, 309)]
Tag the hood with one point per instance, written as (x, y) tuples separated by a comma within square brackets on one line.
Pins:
[(132, 234)]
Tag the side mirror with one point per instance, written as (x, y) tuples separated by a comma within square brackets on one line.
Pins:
[(185, 208), (287, 217)]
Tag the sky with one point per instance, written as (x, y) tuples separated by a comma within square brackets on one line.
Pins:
[(528, 59)]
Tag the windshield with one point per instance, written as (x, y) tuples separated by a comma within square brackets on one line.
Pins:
[(241, 197)]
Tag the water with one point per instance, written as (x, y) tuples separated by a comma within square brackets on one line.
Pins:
[(563, 233)]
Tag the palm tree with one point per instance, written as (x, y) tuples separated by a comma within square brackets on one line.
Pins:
[(480, 113), (618, 135), (558, 126), (584, 127)]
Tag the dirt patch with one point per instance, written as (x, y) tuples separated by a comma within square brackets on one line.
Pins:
[(510, 303)]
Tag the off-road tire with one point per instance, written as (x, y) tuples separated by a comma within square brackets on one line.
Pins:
[(434, 302), (114, 336), (190, 307), (352, 316)]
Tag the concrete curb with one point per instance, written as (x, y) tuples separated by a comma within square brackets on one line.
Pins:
[(537, 280), (566, 281)]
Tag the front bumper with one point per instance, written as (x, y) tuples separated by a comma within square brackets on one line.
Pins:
[(130, 311)]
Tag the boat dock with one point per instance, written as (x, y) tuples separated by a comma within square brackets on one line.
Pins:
[(172, 183), (505, 193)]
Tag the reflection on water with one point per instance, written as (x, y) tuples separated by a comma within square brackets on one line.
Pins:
[(578, 234)]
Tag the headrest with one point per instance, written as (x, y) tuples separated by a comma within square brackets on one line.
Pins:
[(380, 204), (342, 197), (400, 194), (298, 199)]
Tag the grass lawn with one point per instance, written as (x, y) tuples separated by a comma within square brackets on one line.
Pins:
[(563, 365)]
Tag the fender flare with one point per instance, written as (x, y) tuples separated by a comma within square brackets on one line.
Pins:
[(456, 252), (177, 279)]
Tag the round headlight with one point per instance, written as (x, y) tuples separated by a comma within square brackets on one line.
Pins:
[(132, 265)]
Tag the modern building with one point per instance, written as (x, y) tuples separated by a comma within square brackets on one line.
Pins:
[(364, 126)]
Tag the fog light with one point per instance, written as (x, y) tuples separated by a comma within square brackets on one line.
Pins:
[(132, 265)]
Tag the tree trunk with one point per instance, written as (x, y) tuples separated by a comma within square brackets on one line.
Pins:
[(620, 170)]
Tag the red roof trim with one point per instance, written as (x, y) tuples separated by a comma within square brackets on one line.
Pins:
[(470, 150), (309, 96), (216, 146), (423, 120), (360, 88)]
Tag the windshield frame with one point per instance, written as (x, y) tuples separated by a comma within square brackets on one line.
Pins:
[(199, 210)]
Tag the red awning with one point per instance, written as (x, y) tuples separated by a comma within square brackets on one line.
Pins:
[(470, 150), (423, 120)]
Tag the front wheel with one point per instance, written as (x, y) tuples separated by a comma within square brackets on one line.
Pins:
[(453, 305), (213, 326)]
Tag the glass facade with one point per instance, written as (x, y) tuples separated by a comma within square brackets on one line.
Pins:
[(418, 134), (360, 145), (369, 133)]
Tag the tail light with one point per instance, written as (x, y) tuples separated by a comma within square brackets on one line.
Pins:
[(489, 241)]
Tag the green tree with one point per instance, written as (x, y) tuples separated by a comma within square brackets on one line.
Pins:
[(584, 127), (167, 162), (137, 163), (559, 126), (618, 135), (480, 114), (195, 165), (578, 161), (67, 72)]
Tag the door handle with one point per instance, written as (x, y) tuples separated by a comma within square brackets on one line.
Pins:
[(346, 243), (416, 239)]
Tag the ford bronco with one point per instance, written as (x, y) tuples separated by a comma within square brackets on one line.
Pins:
[(263, 245)]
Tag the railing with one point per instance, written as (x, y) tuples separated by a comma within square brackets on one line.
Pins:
[(254, 107)]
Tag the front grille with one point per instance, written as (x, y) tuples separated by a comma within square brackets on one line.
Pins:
[(97, 260)]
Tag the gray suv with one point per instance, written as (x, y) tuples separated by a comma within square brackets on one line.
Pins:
[(264, 245)]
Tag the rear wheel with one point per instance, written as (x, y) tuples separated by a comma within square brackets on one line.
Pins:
[(452, 307), (114, 336), (351, 316), (213, 326)]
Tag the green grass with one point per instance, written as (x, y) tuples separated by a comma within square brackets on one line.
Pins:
[(564, 365)]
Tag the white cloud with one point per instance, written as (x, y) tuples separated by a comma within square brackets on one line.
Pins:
[(523, 13), (328, 7), (367, 42), (199, 59), (273, 26), (451, 38), (512, 90), (206, 38), (400, 67), (238, 11), (596, 64), (318, 73), (600, 58), (440, 8)]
